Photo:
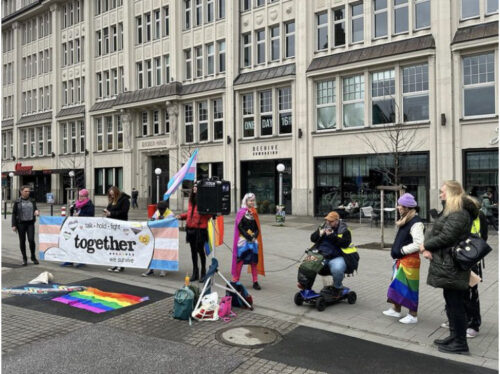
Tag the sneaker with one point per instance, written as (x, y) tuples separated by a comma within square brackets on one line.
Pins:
[(409, 319), (148, 273), (256, 286), (471, 333), (392, 313), (163, 273), (112, 268), (445, 325), (118, 269)]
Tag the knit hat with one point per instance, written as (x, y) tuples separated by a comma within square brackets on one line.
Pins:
[(407, 200), (84, 192), (332, 216)]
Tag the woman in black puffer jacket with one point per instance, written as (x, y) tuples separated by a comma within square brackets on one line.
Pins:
[(452, 227), (118, 207)]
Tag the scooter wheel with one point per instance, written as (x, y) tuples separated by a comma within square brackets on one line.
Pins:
[(351, 297), (320, 304), (298, 299)]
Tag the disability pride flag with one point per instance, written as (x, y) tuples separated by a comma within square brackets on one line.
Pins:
[(187, 172)]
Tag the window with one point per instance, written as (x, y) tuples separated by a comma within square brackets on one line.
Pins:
[(221, 46), (322, 31), (145, 124), (167, 122), (65, 137), (4, 146), (479, 85), (166, 61), (422, 14), (32, 143), (119, 132), (105, 178), (380, 16), (285, 110), (120, 36), (275, 42), (188, 119), (199, 61), (248, 116), (157, 31), (218, 119), (78, 87), (49, 141), (210, 11), (105, 33), (246, 5), (99, 132), (491, 6), (261, 46), (187, 14), (40, 141), (247, 50), (25, 142), (290, 39), (166, 21), (157, 71), (353, 104), (357, 32), (415, 93), (138, 29), (469, 9), (107, 84), (325, 105), (189, 68), (198, 12), (114, 77), (140, 75), (73, 137), (221, 12), (149, 73), (147, 24), (260, 3), (65, 93), (81, 124), (156, 123), (339, 27), (383, 103), (210, 59), (266, 113), (99, 43), (65, 54), (203, 121), (77, 50), (114, 38), (109, 132), (400, 16)]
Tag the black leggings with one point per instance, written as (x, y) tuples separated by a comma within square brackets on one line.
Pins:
[(26, 229), (197, 249), (455, 308)]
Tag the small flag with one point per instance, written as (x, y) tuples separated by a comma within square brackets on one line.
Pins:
[(187, 172), (215, 231)]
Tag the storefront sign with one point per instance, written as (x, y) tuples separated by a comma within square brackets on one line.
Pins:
[(265, 150), (23, 170), (153, 143), (50, 198)]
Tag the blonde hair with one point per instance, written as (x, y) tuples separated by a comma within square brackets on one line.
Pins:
[(454, 197)]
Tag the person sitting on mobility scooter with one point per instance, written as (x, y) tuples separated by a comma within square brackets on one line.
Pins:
[(332, 253)]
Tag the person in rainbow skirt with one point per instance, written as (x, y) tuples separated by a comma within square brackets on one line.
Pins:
[(403, 290)]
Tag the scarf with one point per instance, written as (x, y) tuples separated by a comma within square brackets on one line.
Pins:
[(406, 218), (79, 204)]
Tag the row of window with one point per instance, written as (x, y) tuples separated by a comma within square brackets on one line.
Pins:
[(73, 91), (274, 49), (7, 40), (73, 51), (8, 73), (37, 64), (7, 145), (154, 123), (153, 28), (8, 107), (110, 83), (271, 109), (73, 136), (109, 133), (109, 39), (36, 28), (8, 7), (33, 102), (199, 12), (105, 178), (471, 8), (247, 4), (152, 73), (102, 6), (207, 117), (208, 65), (72, 13), (36, 141)]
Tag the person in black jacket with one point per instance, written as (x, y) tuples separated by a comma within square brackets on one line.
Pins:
[(24, 213), (453, 226), (118, 207)]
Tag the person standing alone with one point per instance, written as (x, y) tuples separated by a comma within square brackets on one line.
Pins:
[(24, 213), (135, 195)]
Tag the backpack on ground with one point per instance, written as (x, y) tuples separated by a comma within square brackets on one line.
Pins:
[(184, 303), (236, 301)]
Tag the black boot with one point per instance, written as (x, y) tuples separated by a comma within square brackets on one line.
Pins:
[(25, 262), (447, 340), (195, 276), (35, 261), (457, 346)]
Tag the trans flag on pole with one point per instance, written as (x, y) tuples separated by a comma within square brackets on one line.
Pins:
[(187, 172)]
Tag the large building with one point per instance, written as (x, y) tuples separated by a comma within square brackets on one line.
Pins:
[(113, 89)]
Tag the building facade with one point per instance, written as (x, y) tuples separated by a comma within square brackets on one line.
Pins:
[(348, 95)]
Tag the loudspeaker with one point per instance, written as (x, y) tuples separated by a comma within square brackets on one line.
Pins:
[(214, 197)]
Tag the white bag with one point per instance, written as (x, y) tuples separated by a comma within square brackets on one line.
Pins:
[(209, 308)]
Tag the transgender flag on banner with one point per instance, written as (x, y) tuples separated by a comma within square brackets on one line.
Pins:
[(187, 172), (49, 229)]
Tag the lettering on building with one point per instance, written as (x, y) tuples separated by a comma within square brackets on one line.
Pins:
[(265, 150)]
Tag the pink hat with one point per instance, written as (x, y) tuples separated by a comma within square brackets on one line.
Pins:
[(84, 192), (407, 200)]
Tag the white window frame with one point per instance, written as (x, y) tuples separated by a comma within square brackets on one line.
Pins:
[(319, 28), (276, 39), (260, 46), (288, 35), (283, 110), (198, 13), (99, 134), (166, 73), (65, 138), (320, 85), (202, 105), (462, 18), (210, 50), (138, 30), (156, 122), (249, 115), (417, 2), (379, 12), (218, 118), (353, 19), (144, 124), (114, 77), (107, 83), (397, 7), (198, 52), (147, 25), (105, 37), (360, 100), (157, 22), (119, 132), (109, 133), (479, 85), (413, 93), (210, 14), (114, 38), (81, 126), (48, 135), (187, 14), (486, 8), (188, 58), (140, 75), (188, 123), (247, 47), (376, 76), (166, 21), (221, 53), (73, 143), (41, 146), (157, 80), (149, 73), (99, 43), (167, 122)]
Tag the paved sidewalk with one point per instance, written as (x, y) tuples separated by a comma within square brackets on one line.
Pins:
[(283, 247)]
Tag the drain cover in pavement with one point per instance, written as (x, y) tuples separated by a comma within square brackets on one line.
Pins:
[(248, 336)]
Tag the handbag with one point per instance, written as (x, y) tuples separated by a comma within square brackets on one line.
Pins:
[(209, 309), (470, 251), (312, 264)]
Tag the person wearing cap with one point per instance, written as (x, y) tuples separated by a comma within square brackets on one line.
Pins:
[(403, 290), (83, 207), (329, 240)]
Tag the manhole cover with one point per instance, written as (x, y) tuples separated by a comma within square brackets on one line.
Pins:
[(248, 336)]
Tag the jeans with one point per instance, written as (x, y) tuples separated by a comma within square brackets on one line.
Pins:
[(26, 229), (337, 268)]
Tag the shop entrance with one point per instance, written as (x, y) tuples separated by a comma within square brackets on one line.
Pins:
[(39, 186), (161, 162)]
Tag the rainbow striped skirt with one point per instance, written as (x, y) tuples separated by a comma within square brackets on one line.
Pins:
[(403, 289)]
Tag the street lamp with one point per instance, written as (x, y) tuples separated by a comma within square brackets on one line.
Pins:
[(158, 173), (72, 179), (11, 175), (280, 209)]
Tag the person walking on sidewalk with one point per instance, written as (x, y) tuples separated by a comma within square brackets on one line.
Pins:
[(83, 207), (403, 290), (487, 209), (118, 207), (162, 212), (247, 243), (450, 229), (196, 235), (135, 195), (24, 213)]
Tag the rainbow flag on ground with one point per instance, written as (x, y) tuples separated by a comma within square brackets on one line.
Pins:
[(403, 289), (187, 172), (97, 301), (215, 234)]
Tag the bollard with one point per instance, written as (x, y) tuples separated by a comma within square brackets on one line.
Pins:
[(63, 211), (51, 209), (5, 209)]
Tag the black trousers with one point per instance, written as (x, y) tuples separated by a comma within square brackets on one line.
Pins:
[(472, 304), (198, 249), (455, 308), (26, 229)]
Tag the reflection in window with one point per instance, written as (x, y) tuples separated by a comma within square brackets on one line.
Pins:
[(415, 93), (380, 15), (422, 14), (469, 9), (339, 27), (266, 115), (357, 33), (383, 103), (322, 31), (248, 116), (479, 84), (353, 101), (325, 105), (285, 110), (400, 16)]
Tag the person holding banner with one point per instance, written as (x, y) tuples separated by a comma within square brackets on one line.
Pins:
[(118, 207), (24, 213), (196, 235), (247, 244)]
